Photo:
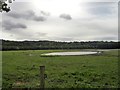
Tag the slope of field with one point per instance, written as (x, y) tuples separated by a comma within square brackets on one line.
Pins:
[(21, 69)]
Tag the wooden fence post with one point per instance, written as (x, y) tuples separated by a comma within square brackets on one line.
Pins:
[(42, 77)]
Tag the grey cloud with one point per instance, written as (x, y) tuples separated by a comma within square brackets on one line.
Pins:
[(41, 34), (0, 26), (101, 11), (30, 36), (106, 38), (40, 18), (119, 21), (45, 13), (83, 29), (27, 15), (0, 23), (101, 8), (110, 38), (8, 25), (11, 35), (61, 38), (66, 16)]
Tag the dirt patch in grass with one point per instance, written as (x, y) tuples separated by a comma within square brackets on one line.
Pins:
[(19, 83)]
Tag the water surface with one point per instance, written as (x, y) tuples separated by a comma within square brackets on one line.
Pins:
[(71, 53)]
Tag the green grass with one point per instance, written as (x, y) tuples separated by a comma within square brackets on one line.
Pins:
[(0, 69), (21, 69)]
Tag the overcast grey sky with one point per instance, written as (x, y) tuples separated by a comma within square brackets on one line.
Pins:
[(61, 20)]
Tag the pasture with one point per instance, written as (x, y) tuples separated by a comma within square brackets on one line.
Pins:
[(21, 69)]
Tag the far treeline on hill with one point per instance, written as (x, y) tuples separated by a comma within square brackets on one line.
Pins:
[(44, 45)]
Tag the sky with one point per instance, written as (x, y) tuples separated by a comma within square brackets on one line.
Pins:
[(61, 20)]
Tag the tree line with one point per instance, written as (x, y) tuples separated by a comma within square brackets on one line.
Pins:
[(45, 45)]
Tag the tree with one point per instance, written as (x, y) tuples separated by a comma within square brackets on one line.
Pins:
[(4, 5)]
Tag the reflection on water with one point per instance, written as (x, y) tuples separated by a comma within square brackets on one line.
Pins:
[(71, 53)]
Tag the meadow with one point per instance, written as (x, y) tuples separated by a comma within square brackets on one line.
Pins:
[(20, 69)]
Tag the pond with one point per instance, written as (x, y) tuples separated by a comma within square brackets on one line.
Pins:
[(71, 53)]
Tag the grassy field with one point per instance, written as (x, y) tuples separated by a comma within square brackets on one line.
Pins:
[(0, 69), (21, 69)]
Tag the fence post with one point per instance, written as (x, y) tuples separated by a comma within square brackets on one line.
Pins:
[(42, 77)]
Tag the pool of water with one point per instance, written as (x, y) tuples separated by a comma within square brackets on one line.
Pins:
[(71, 53)]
